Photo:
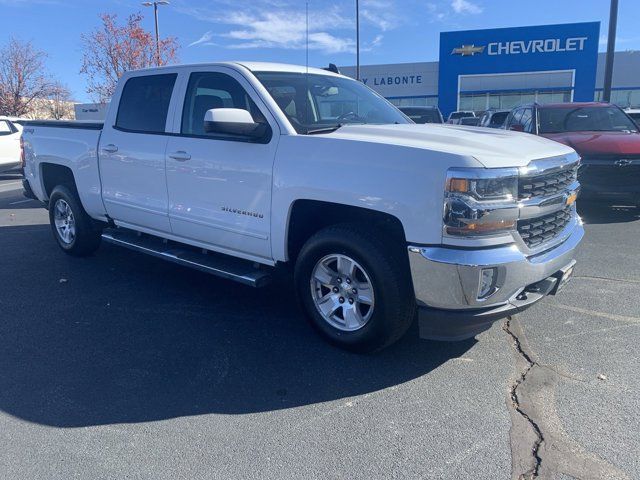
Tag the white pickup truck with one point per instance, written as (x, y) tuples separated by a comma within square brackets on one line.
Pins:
[(239, 168)]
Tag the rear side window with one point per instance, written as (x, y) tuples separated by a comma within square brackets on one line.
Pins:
[(144, 103)]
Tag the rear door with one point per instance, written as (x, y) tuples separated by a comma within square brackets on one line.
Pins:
[(220, 186), (132, 152)]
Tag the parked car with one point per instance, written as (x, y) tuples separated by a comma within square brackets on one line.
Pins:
[(423, 114), (634, 113), (603, 135), (454, 117), (9, 145), (377, 217), (493, 118), (470, 121)]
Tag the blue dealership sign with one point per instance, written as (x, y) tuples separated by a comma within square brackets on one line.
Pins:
[(568, 47)]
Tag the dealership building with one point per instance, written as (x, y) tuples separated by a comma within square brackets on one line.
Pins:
[(502, 68)]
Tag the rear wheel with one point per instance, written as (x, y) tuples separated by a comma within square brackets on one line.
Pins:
[(72, 228), (355, 289)]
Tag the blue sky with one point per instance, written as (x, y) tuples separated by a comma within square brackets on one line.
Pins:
[(274, 30)]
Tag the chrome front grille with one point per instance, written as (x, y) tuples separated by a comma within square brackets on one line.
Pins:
[(537, 231), (546, 192), (547, 184)]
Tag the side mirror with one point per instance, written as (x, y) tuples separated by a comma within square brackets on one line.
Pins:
[(235, 121), (516, 127)]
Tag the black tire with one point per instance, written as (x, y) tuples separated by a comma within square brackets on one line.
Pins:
[(86, 239), (388, 271)]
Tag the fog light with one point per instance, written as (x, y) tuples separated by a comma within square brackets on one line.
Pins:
[(487, 282)]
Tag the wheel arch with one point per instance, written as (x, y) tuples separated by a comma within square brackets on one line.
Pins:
[(54, 174), (306, 217)]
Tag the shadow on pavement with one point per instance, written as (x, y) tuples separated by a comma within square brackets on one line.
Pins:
[(121, 337), (603, 213)]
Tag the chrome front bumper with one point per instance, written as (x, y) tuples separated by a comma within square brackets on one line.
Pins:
[(449, 278)]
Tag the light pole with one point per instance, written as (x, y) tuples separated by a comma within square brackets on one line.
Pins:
[(155, 13), (357, 40), (611, 47)]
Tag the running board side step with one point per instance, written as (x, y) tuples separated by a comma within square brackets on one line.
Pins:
[(225, 266)]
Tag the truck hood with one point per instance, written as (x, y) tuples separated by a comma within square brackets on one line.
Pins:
[(599, 143), (493, 148)]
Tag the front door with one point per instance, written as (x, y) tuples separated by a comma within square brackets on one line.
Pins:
[(220, 186), (132, 154)]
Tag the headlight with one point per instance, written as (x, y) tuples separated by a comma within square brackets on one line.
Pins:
[(480, 201)]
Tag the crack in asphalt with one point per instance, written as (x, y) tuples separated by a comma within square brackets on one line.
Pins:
[(540, 446), (533, 471)]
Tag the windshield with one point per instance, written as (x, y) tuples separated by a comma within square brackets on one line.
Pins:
[(581, 119), (315, 102)]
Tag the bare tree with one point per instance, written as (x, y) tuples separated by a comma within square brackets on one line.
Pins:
[(59, 104), (113, 49), (22, 78)]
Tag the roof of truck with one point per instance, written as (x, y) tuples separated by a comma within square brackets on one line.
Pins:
[(253, 66)]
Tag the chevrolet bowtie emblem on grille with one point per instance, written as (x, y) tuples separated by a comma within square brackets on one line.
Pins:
[(570, 198), (467, 50), (623, 162)]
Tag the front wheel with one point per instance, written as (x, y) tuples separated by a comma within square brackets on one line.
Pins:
[(355, 288), (72, 228)]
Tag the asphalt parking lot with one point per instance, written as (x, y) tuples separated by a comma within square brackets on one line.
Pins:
[(124, 366)]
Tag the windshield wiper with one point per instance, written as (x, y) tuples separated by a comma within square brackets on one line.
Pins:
[(324, 129)]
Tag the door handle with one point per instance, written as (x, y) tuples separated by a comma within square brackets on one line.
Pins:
[(111, 148), (180, 156)]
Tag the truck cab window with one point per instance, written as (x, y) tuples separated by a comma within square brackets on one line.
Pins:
[(144, 103), (209, 90)]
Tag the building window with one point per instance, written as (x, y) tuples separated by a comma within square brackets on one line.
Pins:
[(507, 100), (414, 101), (623, 97)]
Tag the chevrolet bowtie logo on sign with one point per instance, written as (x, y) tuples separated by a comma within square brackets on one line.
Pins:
[(467, 50)]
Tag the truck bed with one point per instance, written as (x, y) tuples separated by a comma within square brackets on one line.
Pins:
[(67, 146)]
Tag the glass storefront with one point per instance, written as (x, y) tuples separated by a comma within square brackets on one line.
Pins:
[(622, 97), (508, 100), (431, 101)]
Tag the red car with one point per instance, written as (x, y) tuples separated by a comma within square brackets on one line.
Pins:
[(604, 136)]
